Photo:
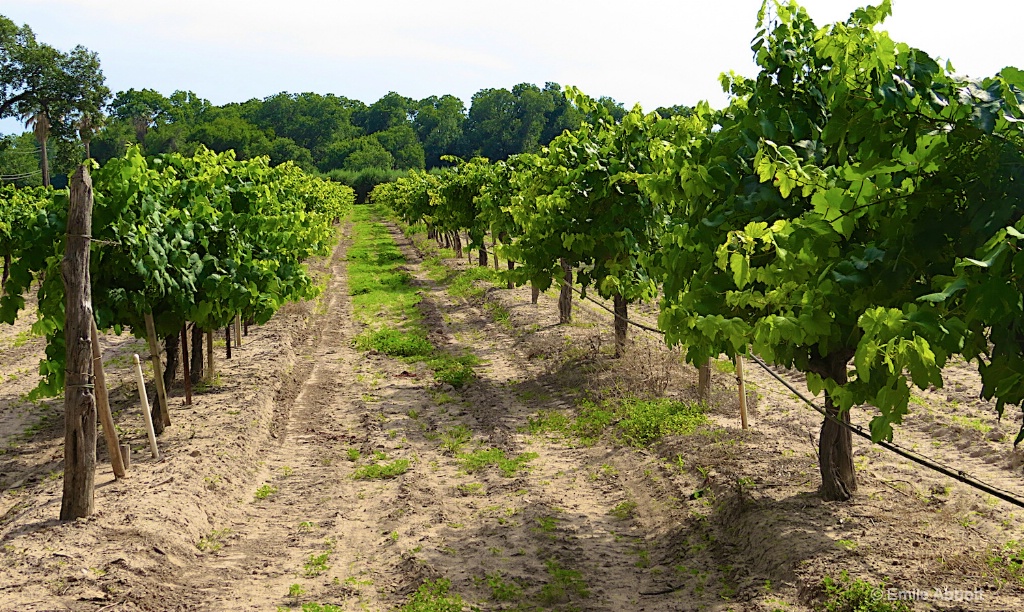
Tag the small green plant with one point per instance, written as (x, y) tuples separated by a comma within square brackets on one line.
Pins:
[(563, 586), (316, 607), (295, 591), (352, 454), (547, 524), (307, 526), (849, 595), (478, 460), (265, 491), (623, 510), (455, 438), (214, 541), (316, 565), (376, 471), (503, 590), (847, 545), (434, 596), (286, 471)]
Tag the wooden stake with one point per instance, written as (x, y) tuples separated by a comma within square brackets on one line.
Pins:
[(145, 408), (743, 391), (238, 331), (79, 399), (158, 376), (186, 366), (227, 339), (126, 456), (103, 406)]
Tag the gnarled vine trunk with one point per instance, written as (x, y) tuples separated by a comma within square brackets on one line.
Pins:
[(621, 322), (196, 371), (835, 443), (565, 296), (171, 345)]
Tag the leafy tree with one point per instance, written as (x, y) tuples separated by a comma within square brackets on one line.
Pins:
[(813, 215), (37, 78), (140, 108), (390, 111), (367, 152), (403, 145), (438, 123)]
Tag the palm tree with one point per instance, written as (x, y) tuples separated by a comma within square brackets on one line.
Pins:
[(87, 126), (40, 125)]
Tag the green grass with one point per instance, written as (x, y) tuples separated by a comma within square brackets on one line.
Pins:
[(639, 422), (376, 471), (563, 586), (623, 510), (265, 491), (848, 595), (464, 284), (455, 438), (385, 302), (642, 422), (434, 596), (484, 458)]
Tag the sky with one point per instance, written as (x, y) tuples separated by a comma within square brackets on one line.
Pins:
[(651, 52)]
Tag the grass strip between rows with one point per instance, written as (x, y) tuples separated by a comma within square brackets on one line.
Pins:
[(384, 301)]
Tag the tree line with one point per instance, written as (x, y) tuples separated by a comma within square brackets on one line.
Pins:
[(64, 99)]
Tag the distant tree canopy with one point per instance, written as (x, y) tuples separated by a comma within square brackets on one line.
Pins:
[(64, 98)]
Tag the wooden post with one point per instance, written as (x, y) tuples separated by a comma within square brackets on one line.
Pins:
[(161, 394), (79, 400), (704, 381), (238, 331), (227, 339), (126, 456), (103, 406), (186, 370), (743, 391), (145, 408), (209, 357)]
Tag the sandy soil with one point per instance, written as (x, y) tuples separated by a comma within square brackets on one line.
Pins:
[(725, 519)]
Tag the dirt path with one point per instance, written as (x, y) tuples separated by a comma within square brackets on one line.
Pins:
[(256, 504)]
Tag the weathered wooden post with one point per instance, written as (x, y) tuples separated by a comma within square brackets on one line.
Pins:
[(79, 399), (743, 390), (161, 416), (103, 405)]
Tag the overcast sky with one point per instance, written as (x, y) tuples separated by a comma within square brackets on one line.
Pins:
[(648, 51)]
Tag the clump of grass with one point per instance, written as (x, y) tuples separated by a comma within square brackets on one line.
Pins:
[(376, 471), (1009, 560), (623, 510), (645, 421), (503, 590), (455, 438), (585, 427), (563, 586), (394, 343), (456, 371), (849, 595), (434, 596), (478, 460), (464, 285)]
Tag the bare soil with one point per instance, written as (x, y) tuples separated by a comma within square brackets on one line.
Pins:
[(255, 493)]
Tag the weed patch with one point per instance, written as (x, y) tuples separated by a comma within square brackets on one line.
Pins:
[(376, 471), (434, 596), (478, 460)]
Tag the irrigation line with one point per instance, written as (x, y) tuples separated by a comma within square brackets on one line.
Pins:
[(956, 474)]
